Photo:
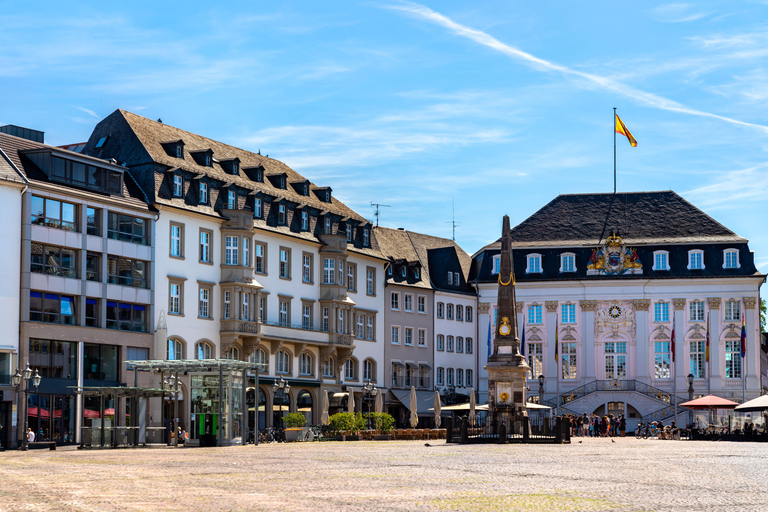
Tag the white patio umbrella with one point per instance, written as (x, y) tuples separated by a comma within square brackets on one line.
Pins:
[(413, 406), (351, 402), (324, 415), (472, 406), (438, 408), (379, 402)]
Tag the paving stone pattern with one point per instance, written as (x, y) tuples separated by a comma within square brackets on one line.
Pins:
[(596, 475)]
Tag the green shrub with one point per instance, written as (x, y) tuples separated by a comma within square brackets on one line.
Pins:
[(294, 420), (382, 421), (346, 421)]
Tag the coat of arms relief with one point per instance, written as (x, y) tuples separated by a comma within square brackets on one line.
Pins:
[(613, 257), (614, 318)]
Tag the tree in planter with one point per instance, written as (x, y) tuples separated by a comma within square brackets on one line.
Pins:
[(294, 420), (346, 422), (382, 421)]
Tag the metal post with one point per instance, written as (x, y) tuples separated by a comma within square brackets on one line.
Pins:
[(221, 403), (256, 406), (244, 406), (690, 397), (176, 410), (18, 411), (26, 415)]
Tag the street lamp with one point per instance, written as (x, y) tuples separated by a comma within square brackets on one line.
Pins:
[(370, 390), (690, 397), (174, 386), (26, 376), (284, 388)]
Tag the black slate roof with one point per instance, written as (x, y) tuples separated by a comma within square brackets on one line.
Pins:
[(640, 217)]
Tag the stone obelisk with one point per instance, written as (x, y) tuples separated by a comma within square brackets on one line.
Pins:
[(507, 368)]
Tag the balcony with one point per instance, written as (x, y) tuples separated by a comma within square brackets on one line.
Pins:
[(341, 339), (240, 326)]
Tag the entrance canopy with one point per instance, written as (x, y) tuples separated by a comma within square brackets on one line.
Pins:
[(710, 402)]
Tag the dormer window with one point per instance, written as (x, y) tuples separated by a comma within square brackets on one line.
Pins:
[(661, 260), (327, 196), (304, 220), (349, 232), (327, 225), (416, 273), (731, 258), (450, 278), (366, 238), (496, 265), (207, 159), (231, 199), (235, 167), (534, 264), (403, 272), (178, 185), (306, 189), (179, 151), (281, 215), (696, 259), (389, 270), (567, 262), (257, 207), (456, 278), (282, 182), (203, 193)]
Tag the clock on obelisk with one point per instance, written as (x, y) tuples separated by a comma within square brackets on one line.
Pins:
[(507, 368)]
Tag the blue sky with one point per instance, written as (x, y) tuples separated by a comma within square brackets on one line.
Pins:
[(495, 106)]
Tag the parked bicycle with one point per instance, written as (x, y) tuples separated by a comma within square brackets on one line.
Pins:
[(643, 430)]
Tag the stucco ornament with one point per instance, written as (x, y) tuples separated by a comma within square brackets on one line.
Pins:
[(615, 318)]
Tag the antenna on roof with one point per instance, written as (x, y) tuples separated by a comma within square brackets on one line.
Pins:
[(453, 219), (377, 206)]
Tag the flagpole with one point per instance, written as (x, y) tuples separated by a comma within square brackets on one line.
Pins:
[(743, 359), (674, 364), (614, 149)]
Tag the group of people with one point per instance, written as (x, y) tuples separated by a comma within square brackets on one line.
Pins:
[(593, 425)]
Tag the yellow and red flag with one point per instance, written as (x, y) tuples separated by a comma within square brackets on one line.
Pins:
[(622, 130)]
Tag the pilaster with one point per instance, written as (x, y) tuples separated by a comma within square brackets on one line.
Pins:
[(678, 365), (642, 363), (714, 370), (587, 308), (751, 361)]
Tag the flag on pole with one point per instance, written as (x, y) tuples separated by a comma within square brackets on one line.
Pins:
[(522, 343), (557, 347), (672, 344), (621, 129), (743, 336), (706, 352)]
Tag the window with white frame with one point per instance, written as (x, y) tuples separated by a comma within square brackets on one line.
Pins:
[(341, 272), (394, 301), (227, 299), (733, 359), (233, 353), (695, 259), (349, 232), (230, 250), (470, 346), (459, 344), (283, 313), (449, 343), (459, 312), (205, 246), (439, 309), (440, 342), (395, 339), (325, 320), (696, 311), (450, 277), (568, 314), (304, 220), (360, 326), (661, 260), (257, 212), (262, 309), (203, 199), (421, 304), (662, 359), (422, 337), (535, 355), (306, 316), (175, 349), (174, 305), (231, 199), (369, 281), (306, 268), (439, 376), (408, 302), (449, 377), (534, 314), (329, 271), (731, 258), (350, 370), (282, 362), (459, 378), (568, 360), (468, 374), (328, 368), (204, 309), (281, 217), (246, 252), (351, 277), (259, 357), (449, 311), (369, 373), (366, 238), (697, 359), (468, 316), (496, 265), (178, 186), (409, 336), (567, 262), (176, 241), (615, 360), (203, 350), (732, 310), (258, 264), (661, 312), (246, 312), (305, 364), (456, 278), (534, 264), (369, 328), (285, 263), (327, 225), (340, 321)]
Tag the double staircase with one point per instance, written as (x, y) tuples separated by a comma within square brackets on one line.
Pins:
[(665, 399)]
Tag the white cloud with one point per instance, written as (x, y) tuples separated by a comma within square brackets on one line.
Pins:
[(586, 80), (732, 189), (676, 13), (90, 113)]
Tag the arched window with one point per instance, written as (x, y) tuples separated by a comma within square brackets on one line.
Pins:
[(440, 340), (175, 349), (459, 312), (350, 369), (369, 370), (469, 346), (304, 405), (468, 315), (459, 344), (203, 350), (233, 353), (305, 364), (328, 368), (283, 362), (259, 357)]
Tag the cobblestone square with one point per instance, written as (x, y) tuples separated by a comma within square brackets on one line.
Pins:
[(594, 474)]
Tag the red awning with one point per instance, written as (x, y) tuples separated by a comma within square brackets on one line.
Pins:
[(709, 402)]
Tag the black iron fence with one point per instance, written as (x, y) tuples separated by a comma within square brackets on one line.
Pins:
[(501, 431)]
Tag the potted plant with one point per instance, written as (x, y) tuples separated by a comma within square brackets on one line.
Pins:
[(294, 426), (383, 422), (348, 425)]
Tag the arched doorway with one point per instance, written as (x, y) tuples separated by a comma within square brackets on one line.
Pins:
[(304, 405)]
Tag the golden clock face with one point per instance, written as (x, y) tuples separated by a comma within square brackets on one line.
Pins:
[(504, 330), (614, 311), (504, 396)]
